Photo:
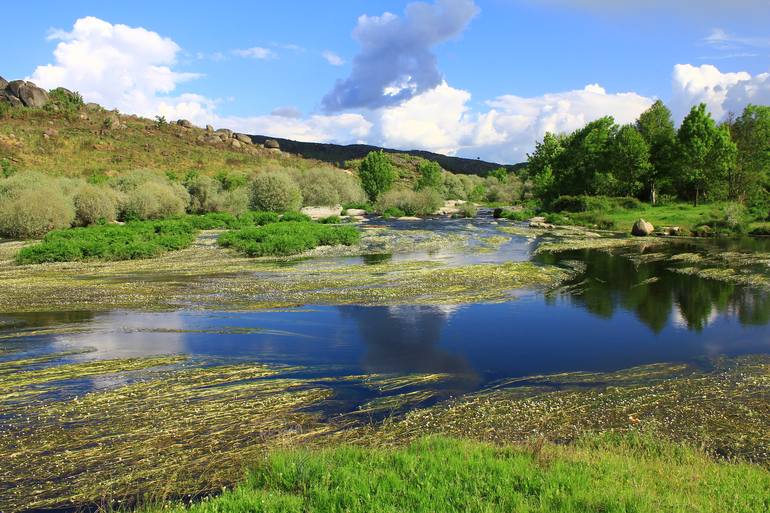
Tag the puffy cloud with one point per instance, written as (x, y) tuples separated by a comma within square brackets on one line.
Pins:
[(118, 66), (256, 52), (702, 84), (332, 58), (396, 62)]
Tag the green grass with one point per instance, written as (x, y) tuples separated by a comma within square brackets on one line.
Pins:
[(288, 238), (683, 215), (608, 474), (134, 240)]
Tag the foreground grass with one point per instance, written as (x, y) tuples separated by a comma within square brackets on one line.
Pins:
[(607, 474)]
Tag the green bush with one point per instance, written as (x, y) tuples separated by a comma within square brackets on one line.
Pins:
[(454, 187), (253, 218), (569, 204), (65, 101), (274, 192), (555, 218), (430, 175), (328, 187), (33, 212), (295, 216), (215, 221), (94, 204), (134, 240), (467, 209), (393, 212), (330, 220), (515, 215), (205, 194), (288, 238), (154, 200), (412, 203), (150, 195)]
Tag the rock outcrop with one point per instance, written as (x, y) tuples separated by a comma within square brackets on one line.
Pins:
[(642, 228), (20, 93), (272, 144), (184, 123), (245, 139)]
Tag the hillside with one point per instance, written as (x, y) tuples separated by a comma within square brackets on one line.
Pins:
[(337, 154)]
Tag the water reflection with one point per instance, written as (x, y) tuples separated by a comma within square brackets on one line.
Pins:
[(656, 294)]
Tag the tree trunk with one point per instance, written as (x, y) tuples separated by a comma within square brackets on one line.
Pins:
[(653, 194), (697, 193)]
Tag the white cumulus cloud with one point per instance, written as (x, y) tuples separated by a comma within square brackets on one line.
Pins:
[(129, 68)]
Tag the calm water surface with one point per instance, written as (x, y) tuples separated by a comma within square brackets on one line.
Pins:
[(614, 315)]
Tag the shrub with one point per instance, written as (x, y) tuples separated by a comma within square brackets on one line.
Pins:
[(328, 187), (453, 187), (500, 174), (515, 215), (140, 239), (569, 204), (555, 218), (430, 175), (377, 174), (94, 204), (412, 203), (467, 209), (34, 212), (154, 200), (214, 221), (205, 194), (274, 192), (287, 238), (259, 218), (295, 216), (330, 220), (393, 212), (65, 101)]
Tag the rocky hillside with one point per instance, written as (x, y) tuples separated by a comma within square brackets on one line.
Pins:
[(54, 131)]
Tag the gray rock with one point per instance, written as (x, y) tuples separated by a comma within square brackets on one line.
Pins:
[(93, 107), (498, 212), (541, 226), (212, 139), (29, 94), (8, 97), (184, 123), (322, 212), (225, 132), (3, 83), (642, 228), (272, 144), (245, 139), (209, 129), (355, 212), (235, 143)]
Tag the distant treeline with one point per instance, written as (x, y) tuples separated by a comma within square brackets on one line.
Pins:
[(701, 160)]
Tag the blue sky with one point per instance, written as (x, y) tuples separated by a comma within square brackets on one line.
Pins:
[(484, 78)]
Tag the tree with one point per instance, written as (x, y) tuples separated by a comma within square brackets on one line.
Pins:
[(751, 134), (500, 173), (629, 162), (430, 175), (586, 153), (377, 174), (657, 128), (540, 165), (696, 142)]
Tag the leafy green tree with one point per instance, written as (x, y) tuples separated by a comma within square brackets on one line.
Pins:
[(706, 153), (586, 153), (500, 173), (751, 134), (657, 128), (430, 175), (540, 165), (629, 161), (377, 174)]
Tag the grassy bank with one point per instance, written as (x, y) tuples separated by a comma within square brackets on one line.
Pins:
[(608, 474)]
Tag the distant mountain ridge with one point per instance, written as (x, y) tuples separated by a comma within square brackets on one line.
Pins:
[(337, 154)]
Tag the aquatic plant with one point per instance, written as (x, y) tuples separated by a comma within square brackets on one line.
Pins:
[(134, 240), (288, 238)]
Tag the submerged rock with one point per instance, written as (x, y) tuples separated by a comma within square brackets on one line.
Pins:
[(642, 228)]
